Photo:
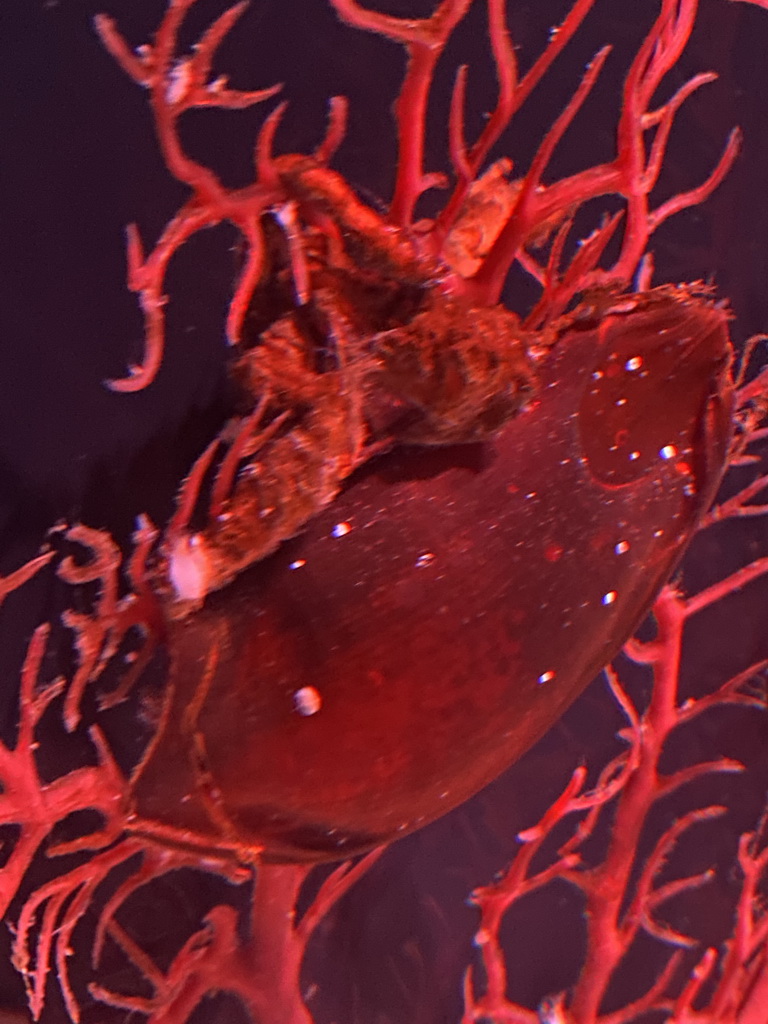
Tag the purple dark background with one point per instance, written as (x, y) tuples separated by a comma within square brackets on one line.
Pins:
[(79, 162)]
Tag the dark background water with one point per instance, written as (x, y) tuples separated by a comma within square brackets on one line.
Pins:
[(79, 162)]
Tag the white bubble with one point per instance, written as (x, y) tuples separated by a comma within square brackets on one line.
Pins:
[(307, 701)]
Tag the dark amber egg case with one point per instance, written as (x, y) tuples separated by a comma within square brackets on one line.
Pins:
[(432, 623)]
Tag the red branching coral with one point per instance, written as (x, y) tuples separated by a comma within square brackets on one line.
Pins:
[(621, 896), (360, 332), (522, 209)]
